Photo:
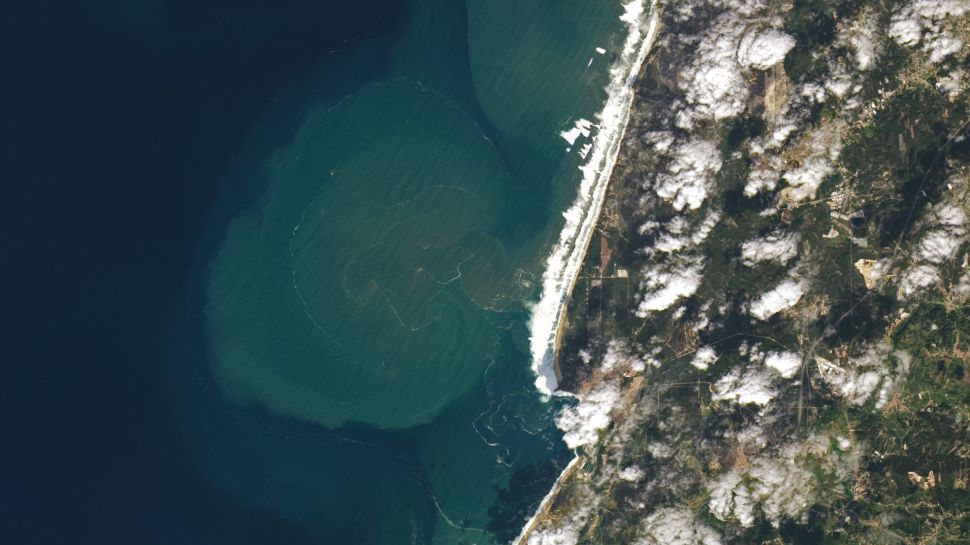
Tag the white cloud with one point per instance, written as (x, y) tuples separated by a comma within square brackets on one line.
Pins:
[(730, 499), (783, 296), (918, 279), (804, 180), (839, 85), (764, 175), (747, 8), (779, 135), (690, 175), (619, 357), (659, 140), (939, 246), (564, 533), (823, 148), (659, 450), (941, 47), (583, 422), (764, 48), (920, 22), (752, 386), (856, 387), (949, 215), (779, 486), (864, 41), (677, 526), (906, 31), (679, 235), (631, 474), (564, 530), (866, 373), (754, 352), (786, 363), (813, 92), (666, 287), (951, 83), (882, 268), (713, 81), (704, 357), (778, 247)]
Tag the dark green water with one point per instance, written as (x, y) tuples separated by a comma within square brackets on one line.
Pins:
[(365, 370)]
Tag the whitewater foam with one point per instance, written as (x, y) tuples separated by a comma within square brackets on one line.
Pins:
[(566, 258), (582, 128)]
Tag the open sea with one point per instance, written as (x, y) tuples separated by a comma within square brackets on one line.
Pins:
[(270, 265)]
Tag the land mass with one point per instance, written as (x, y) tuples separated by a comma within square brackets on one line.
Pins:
[(769, 335)]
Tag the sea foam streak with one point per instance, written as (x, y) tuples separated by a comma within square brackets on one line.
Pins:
[(565, 261)]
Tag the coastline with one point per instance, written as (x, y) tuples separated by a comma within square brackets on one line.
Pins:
[(605, 154), (732, 373), (546, 502), (565, 261)]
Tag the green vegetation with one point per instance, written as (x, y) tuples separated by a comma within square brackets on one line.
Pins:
[(891, 471), (912, 485)]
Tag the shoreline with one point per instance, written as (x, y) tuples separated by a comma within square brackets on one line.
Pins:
[(547, 500), (710, 217), (565, 261), (607, 153)]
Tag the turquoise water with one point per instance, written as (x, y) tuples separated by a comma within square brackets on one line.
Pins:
[(366, 304)]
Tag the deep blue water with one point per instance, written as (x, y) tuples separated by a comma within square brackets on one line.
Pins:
[(118, 122), (158, 157)]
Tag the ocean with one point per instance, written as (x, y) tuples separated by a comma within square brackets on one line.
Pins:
[(274, 268)]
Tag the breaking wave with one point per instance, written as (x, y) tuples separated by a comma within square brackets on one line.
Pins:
[(566, 258)]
